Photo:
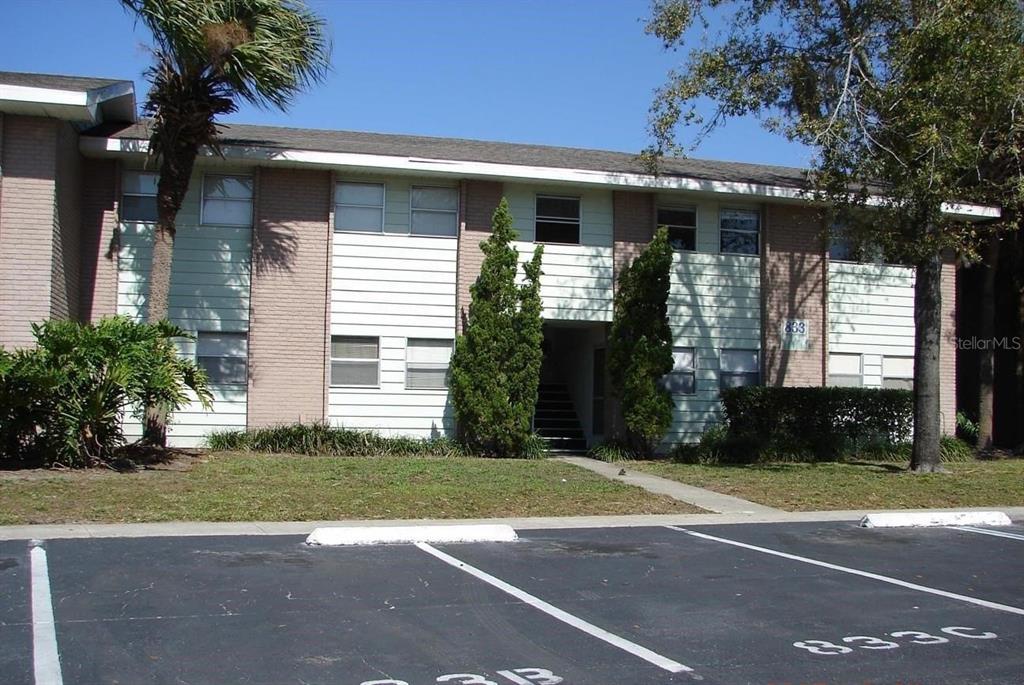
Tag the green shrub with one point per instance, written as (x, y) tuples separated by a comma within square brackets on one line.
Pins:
[(616, 450), (63, 402), (325, 440), (966, 429), (495, 368), (640, 344), (813, 423)]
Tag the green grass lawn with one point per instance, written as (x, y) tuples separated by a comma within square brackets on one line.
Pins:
[(256, 487), (861, 485)]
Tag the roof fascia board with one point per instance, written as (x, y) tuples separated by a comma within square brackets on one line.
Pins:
[(504, 171), (46, 96)]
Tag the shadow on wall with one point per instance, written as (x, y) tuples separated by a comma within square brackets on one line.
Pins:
[(791, 272)]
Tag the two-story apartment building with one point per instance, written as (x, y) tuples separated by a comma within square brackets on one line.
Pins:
[(325, 274)]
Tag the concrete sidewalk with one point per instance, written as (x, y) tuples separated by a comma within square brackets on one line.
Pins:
[(698, 497), (204, 528)]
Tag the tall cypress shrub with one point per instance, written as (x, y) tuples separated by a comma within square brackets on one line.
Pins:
[(640, 344), (495, 369)]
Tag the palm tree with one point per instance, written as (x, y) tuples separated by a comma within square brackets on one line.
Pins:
[(208, 56)]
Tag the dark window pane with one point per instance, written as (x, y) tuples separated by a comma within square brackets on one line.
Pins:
[(739, 220), (737, 380), (558, 207), (224, 370), (679, 382), (677, 217), (736, 242), (553, 232), (682, 238), (138, 208)]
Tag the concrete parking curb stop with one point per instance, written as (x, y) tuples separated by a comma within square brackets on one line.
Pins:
[(903, 519), (392, 535)]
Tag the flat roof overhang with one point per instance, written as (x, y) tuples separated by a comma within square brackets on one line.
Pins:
[(115, 102)]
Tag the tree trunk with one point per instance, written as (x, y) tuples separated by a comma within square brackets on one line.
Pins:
[(987, 353), (927, 324)]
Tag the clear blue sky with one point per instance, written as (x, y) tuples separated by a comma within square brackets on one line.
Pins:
[(578, 73)]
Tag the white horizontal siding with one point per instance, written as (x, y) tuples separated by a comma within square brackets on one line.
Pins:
[(393, 287), (576, 281), (210, 277), (714, 304), (871, 313)]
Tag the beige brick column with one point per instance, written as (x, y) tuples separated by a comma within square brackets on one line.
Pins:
[(27, 215), (289, 297), (477, 202), (101, 190), (947, 348), (633, 226), (793, 273)]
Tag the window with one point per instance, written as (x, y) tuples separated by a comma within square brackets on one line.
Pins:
[(426, 364), (681, 381), (738, 231), (435, 211), (845, 370), (739, 367), (359, 207), (558, 220), (227, 200), (898, 372), (682, 226), (355, 361), (841, 247), (224, 356), (138, 196)]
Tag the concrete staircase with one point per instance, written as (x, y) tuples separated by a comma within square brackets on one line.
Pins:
[(555, 421)]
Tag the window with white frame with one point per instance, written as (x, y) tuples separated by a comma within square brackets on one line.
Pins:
[(682, 379), (223, 355), (898, 372), (682, 226), (355, 361), (435, 211), (138, 196), (359, 207), (739, 231), (227, 200), (739, 367), (845, 370), (426, 363), (557, 220)]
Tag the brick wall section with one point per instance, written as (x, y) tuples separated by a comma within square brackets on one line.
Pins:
[(947, 349), (288, 306), (633, 226), (477, 202), (793, 273), (65, 265), (98, 242), (26, 226)]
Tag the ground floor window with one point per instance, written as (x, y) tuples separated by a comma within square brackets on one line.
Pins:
[(682, 379), (355, 361), (898, 372), (739, 367), (845, 370), (223, 355), (426, 363)]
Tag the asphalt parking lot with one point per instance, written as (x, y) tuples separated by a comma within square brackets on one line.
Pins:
[(777, 604)]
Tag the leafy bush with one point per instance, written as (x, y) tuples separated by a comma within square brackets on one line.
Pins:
[(966, 429), (63, 401), (640, 344), (813, 423), (323, 439), (495, 369), (616, 450)]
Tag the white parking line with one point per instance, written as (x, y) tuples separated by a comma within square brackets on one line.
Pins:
[(864, 574), (45, 658), (985, 531), (563, 616)]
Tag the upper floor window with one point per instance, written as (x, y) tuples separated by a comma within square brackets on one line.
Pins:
[(898, 372), (682, 226), (435, 211), (558, 220), (355, 361), (845, 369), (739, 231), (841, 247), (739, 367), (359, 207), (138, 196), (426, 363), (227, 200), (682, 379), (224, 356)]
